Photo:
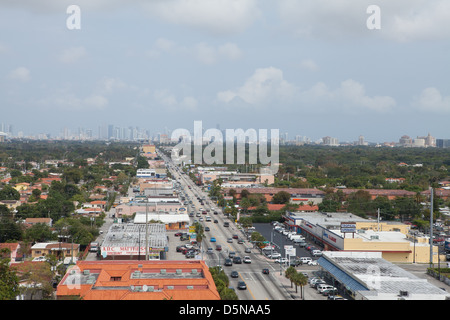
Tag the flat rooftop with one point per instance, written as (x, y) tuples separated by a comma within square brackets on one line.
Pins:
[(131, 235), (384, 279)]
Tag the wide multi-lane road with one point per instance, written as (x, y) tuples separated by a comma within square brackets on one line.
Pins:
[(259, 286)]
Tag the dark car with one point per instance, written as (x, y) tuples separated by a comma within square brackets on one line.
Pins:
[(241, 285), (228, 262), (190, 255), (218, 247), (178, 234), (265, 271), (234, 274), (235, 236), (206, 228), (237, 260), (216, 221)]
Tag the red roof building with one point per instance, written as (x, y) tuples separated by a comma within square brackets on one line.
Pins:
[(138, 280)]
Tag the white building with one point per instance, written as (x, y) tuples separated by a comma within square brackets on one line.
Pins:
[(366, 276)]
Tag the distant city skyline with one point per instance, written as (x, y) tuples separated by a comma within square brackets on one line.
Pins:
[(311, 68), (130, 133)]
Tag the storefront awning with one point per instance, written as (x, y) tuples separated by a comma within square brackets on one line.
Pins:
[(341, 276)]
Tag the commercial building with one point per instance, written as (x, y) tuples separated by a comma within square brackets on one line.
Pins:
[(138, 280), (367, 276), (298, 195), (347, 232), (172, 220), (128, 242)]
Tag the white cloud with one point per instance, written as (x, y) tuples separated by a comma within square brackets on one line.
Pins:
[(268, 88), (168, 100), (20, 74), (401, 20), (308, 64), (431, 100), (265, 85), (202, 52), (95, 101), (221, 17), (72, 55)]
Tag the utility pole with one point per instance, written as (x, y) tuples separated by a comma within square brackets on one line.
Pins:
[(146, 230), (431, 226)]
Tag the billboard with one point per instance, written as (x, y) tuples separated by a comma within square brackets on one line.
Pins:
[(348, 227)]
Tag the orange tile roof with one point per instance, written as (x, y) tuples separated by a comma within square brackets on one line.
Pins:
[(115, 280)]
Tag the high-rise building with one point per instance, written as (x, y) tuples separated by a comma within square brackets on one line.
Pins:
[(443, 143)]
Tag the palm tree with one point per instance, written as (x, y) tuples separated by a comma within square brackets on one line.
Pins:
[(290, 274), (299, 280)]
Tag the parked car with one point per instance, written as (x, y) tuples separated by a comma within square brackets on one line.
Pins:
[(312, 263), (275, 255), (316, 253), (305, 260), (281, 260), (330, 292)]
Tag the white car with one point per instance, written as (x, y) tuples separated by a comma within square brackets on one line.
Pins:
[(312, 263), (281, 260), (247, 259), (275, 255)]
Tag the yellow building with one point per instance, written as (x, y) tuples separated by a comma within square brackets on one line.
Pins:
[(347, 232), (59, 249), (148, 148)]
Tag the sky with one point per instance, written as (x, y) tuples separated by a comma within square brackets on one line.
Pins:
[(319, 68)]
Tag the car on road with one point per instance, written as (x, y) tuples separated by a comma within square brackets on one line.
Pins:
[(235, 236), (240, 241), (234, 274), (210, 250), (231, 254), (228, 262), (265, 271), (248, 250), (237, 260), (178, 234), (230, 240), (216, 221), (207, 229), (241, 285), (218, 247), (247, 259), (213, 239), (226, 224)]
